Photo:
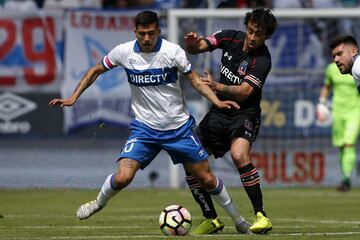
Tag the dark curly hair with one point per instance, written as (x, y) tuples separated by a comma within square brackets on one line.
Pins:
[(263, 18)]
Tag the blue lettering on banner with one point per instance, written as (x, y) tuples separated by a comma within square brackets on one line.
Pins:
[(152, 77)]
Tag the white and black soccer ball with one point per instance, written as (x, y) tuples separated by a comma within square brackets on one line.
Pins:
[(175, 220)]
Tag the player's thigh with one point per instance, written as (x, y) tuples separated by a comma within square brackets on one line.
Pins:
[(338, 130), (185, 148), (213, 132), (245, 126), (141, 151), (352, 129)]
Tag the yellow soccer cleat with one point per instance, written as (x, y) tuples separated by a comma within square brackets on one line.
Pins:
[(261, 224), (209, 226)]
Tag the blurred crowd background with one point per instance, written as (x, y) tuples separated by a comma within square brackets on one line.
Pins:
[(164, 4)]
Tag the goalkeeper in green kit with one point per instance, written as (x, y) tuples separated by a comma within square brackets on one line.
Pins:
[(345, 115)]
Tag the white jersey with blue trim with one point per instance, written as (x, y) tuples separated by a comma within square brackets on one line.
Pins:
[(355, 71), (157, 99)]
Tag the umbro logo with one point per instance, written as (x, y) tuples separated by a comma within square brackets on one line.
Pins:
[(13, 106), (201, 152)]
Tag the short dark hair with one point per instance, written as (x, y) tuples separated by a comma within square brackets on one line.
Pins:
[(146, 18), (263, 18), (339, 39)]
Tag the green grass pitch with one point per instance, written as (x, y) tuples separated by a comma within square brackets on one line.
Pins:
[(296, 213)]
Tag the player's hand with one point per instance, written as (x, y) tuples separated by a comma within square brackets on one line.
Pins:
[(192, 39), (227, 105), (322, 111), (62, 102), (209, 80)]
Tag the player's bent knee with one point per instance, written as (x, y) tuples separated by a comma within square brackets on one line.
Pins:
[(240, 159), (207, 181), (238, 155), (123, 180)]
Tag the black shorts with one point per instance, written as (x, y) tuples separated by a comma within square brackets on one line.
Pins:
[(217, 130)]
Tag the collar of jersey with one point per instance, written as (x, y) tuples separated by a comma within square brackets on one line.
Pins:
[(356, 56), (156, 49)]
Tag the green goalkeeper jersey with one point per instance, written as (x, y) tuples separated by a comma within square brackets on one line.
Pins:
[(345, 95)]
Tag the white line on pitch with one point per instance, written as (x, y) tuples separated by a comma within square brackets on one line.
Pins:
[(75, 227), (130, 227), (73, 216), (317, 221), (316, 234), (152, 216)]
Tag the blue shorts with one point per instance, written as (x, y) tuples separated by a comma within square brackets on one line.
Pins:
[(144, 144)]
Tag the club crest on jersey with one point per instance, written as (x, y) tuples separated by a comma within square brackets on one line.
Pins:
[(242, 68), (248, 125)]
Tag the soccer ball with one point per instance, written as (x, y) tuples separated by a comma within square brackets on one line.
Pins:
[(175, 220)]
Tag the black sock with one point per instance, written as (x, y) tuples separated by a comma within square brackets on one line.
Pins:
[(251, 182), (201, 196)]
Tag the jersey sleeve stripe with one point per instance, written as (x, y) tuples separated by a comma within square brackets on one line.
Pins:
[(213, 41), (231, 39), (253, 79), (107, 63)]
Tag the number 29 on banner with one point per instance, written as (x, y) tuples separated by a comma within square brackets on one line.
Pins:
[(36, 38)]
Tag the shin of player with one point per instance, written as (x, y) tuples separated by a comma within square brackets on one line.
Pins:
[(201, 171)]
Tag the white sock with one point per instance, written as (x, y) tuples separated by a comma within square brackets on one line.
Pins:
[(222, 197), (233, 212), (106, 192)]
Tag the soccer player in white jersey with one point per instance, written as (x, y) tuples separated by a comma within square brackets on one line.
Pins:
[(161, 120), (345, 53)]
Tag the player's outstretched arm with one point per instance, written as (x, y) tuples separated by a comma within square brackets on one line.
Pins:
[(89, 77), (207, 92), (195, 44)]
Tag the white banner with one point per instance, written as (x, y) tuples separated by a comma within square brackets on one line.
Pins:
[(90, 35), (31, 46)]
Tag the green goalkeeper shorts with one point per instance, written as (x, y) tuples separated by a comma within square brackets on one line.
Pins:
[(345, 128)]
